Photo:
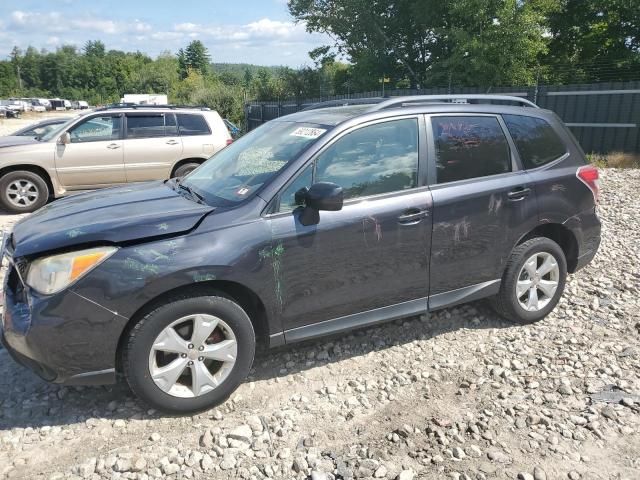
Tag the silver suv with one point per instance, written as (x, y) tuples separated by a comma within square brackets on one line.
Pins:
[(106, 147)]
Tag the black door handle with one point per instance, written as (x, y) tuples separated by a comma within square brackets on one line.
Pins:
[(411, 216), (518, 193)]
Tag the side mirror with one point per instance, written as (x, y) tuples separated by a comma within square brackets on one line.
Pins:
[(325, 196), (65, 138)]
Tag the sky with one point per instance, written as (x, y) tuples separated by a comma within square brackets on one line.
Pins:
[(241, 31)]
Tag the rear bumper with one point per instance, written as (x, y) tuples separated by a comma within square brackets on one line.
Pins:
[(63, 338), (589, 238)]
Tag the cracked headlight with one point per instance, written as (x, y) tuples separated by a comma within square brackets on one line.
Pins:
[(51, 274)]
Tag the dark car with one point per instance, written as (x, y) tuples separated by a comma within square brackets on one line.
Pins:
[(313, 224), (6, 112), (39, 129)]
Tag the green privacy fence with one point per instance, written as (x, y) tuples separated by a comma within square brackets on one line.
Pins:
[(604, 117)]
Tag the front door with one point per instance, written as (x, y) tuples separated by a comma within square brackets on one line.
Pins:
[(370, 255), (482, 204), (95, 155), (152, 146)]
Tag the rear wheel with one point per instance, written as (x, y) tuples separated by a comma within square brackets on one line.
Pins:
[(533, 281), (23, 191), (185, 169), (189, 354)]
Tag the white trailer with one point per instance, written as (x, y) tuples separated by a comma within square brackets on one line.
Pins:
[(144, 99)]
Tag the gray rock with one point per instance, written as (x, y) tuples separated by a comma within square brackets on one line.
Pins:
[(525, 476), (539, 474), (228, 462), (242, 433), (406, 475), (498, 456)]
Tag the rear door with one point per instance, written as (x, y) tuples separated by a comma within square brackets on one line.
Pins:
[(196, 134), (152, 145), (95, 155), (482, 203)]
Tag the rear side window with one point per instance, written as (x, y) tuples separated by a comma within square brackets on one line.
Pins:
[(536, 140), (192, 124), (469, 147), (145, 126)]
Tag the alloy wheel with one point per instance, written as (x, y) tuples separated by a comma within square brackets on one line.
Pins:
[(538, 281), (22, 193), (192, 356)]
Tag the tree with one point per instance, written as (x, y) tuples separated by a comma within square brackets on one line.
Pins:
[(428, 41), (194, 57), (594, 41)]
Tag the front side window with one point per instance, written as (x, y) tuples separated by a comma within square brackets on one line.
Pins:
[(536, 141), (145, 126), (96, 129), (237, 171), (192, 124), (375, 159), (288, 200), (469, 147)]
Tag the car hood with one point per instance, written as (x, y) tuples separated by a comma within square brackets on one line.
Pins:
[(13, 140), (112, 215)]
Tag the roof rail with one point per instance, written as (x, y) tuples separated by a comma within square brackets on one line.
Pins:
[(135, 106), (344, 103), (461, 98)]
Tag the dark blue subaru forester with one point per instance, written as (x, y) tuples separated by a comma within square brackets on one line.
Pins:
[(315, 223)]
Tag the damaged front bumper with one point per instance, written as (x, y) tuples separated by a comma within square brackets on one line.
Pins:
[(64, 338)]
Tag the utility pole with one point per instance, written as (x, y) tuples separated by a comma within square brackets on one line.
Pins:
[(19, 77)]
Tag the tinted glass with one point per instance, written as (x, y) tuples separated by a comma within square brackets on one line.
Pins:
[(288, 196), (145, 126), (375, 159), (192, 124), (535, 139), (170, 126), (237, 171), (96, 129), (469, 147)]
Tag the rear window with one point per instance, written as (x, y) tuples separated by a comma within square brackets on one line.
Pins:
[(192, 124), (145, 126), (536, 140), (469, 147)]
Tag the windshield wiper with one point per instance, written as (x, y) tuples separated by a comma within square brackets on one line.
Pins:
[(194, 195)]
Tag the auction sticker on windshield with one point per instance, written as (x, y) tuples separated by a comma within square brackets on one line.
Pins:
[(308, 132)]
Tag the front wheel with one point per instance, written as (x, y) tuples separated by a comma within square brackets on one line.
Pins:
[(190, 354), (23, 191), (533, 281)]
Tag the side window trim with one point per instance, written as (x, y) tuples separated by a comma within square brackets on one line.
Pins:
[(421, 151), (84, 120), (516, 165), (512, 142), (274, 204), (124, 125)]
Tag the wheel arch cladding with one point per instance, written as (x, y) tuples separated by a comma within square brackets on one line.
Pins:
[(248, 300), (560, 234)]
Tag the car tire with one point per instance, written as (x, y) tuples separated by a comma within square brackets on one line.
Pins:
[(528, 294), (151, 361), (185, 169), (22, 191)]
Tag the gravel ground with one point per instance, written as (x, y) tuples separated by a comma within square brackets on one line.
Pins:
[(459, 395)]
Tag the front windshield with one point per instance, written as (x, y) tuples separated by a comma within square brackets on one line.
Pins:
[(236, 172), (55, 130)]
